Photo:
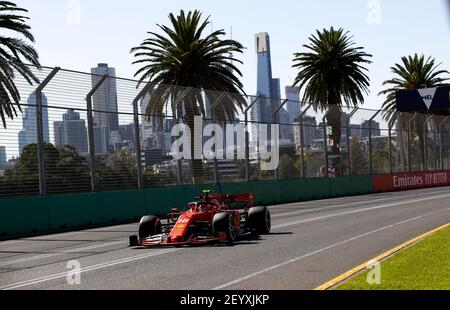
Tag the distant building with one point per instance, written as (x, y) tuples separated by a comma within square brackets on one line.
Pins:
[(355, 130), (293, 105), (310, 131), (365, 127), (105, 101), (155, 133), (28, 135), (286, 127), (3, 159), (267, 86), (101, 137), (71, 131)]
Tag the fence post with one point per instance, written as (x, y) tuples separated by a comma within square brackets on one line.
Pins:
[(409, 141), (390, 125), (213, 115), (349, 159), (442, 141), (325, 145), (302, 141), (137, 133), (277, 120), (425, 148), (91, 142), (247, 140), (177, 107), (40, 132), (370, 141)]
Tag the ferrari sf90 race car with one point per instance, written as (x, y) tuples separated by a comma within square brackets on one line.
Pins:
[(211, 218)]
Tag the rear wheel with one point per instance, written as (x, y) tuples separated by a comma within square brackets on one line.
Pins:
[(149, 226), (224, 223), (259, 220)]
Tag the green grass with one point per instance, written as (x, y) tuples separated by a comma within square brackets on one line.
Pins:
[(424, 266)]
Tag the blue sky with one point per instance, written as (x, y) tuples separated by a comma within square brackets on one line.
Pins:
[(105, 30)]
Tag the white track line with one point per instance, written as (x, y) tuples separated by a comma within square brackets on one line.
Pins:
[(321, 208), (319, 218), (65, 252), (59, 235), (86, 269), (237, 281)]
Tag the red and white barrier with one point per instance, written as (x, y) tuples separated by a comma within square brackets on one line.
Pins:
[(415, 180)]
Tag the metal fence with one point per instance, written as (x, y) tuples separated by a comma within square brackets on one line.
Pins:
[(81, 132)]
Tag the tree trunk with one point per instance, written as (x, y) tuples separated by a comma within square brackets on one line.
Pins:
[(333, 117), (191, 111)]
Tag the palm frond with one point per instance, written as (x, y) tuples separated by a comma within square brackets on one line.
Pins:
[(181, 55), (14, 53)]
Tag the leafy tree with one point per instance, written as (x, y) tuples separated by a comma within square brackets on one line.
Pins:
[(14, 52), (184, 56), (358, 157), (65, 170), (119, 172), (332, 74), (288, 168), (380, 158)]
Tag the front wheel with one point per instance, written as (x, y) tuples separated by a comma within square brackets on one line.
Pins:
[(223, 224), (259, 220), (149, 226)]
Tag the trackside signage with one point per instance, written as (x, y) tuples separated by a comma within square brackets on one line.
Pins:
[(423, 100), (404, 181)]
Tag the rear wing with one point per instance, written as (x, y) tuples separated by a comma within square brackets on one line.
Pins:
[(241, 200)]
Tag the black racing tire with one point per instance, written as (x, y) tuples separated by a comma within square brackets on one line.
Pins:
[(149, 226), (259, 220), (224, 222)]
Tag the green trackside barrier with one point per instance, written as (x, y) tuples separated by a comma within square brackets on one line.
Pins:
[(23, 216)]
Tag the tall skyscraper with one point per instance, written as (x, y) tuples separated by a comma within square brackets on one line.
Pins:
[(105, 104), (293, 105), (267, 86), (28, 135), (71, 131)]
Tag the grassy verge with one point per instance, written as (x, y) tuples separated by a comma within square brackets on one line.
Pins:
[(424, 266)]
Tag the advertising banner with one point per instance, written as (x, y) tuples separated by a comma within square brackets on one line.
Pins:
[(415, 180), (423, 100)]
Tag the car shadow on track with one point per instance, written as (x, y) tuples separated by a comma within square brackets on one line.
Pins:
[(243, 240)]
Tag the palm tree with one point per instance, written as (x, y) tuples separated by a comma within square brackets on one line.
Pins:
[(13, 53), (332, 74), (414, 72), (183, 57)]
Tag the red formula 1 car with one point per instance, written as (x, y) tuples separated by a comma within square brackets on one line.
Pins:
[(211, 218)]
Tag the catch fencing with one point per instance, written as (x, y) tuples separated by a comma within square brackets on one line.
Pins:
[(87, 132)]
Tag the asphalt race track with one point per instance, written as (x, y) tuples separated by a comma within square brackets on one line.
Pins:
[(310, 244)]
